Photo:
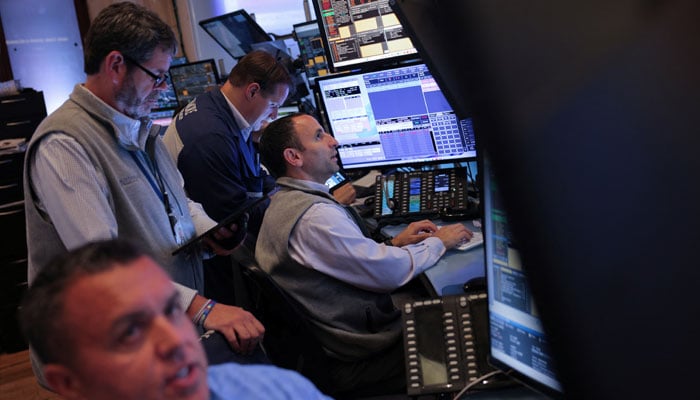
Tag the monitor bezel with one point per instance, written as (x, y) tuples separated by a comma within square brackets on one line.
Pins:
[(325, 121), (209, 61), (362, 64), (249, 21)]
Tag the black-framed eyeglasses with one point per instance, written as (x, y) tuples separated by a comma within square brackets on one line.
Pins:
[(157, 79)]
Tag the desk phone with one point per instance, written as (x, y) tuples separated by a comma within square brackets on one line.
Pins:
[(445, 342), (434, 193)]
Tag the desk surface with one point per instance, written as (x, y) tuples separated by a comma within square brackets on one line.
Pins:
[(454, 268)]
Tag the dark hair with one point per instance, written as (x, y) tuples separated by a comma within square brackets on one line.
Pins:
[(280, 134), (41, 310), (130, 29), (261, 67)]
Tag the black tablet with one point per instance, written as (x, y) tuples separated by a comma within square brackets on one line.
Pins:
[(231, 218)]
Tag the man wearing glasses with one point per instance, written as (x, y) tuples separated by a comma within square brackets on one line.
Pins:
[(97, 169)]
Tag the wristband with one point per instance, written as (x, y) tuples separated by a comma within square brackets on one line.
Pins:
[(203, 312), (210, 305)]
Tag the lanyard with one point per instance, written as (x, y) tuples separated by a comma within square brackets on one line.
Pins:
[(155, 178)]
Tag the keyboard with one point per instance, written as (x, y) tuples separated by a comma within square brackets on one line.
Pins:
[(476, 240)]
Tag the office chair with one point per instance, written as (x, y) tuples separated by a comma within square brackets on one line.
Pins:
[(289, 341)]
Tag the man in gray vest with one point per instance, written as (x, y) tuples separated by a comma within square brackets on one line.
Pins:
[(96, 168), (315, 249)]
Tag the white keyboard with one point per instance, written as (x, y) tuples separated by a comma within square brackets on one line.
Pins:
[(476, 240)]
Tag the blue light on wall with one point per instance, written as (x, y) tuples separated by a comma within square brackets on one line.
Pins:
[(44, 46)]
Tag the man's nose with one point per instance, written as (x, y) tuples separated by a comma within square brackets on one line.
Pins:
[(333, 142), (169, 339)]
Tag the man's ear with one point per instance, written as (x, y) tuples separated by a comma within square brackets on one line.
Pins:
[(63, 381), (252, 89), (114, 65), (293, 157)]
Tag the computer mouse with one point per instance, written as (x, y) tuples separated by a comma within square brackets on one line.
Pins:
[(477, 284)]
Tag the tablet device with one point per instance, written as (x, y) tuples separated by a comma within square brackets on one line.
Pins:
[(236, 215), (336, 180)]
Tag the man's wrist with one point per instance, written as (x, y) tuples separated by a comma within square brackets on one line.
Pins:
[(203, 313)]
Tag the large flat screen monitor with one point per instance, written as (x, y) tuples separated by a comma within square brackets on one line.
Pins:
[(311, 49), (360, 33), (192, 79), (517, 341), (235, 32), (393, 116), (594, 136)]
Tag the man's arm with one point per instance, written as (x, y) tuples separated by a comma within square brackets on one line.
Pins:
[(71, 191), (240, 327), (326, 238), (345, 194)]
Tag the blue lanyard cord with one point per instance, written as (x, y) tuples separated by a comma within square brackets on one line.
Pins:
[(149, 176), (155, 179)]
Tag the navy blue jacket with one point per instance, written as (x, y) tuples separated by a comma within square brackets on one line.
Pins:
[(220, 168)]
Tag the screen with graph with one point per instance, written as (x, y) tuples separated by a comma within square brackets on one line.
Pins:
[(393, 116)]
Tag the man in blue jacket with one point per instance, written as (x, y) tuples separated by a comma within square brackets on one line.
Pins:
[(213, 141)]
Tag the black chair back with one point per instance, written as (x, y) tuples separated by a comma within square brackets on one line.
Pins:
[(289, 341)]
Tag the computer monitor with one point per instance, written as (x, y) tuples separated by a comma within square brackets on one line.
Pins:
[(192, 79), (517, 341), (594, 135), (359, 34), (235, 32), (393, 116), (311, 49)]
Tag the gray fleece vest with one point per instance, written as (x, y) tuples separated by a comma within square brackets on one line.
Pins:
[(137, 207), (351, 323)]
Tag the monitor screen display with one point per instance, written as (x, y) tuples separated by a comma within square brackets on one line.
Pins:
[(192, 79), (166, 98), (358, 33), (166, 105), (393, 116), (311, 49), (517, 339), (235, 32)]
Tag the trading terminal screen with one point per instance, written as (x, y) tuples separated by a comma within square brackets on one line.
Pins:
[(517, 338), (393, 116), (360, 32), (192, 79), (311, 50)]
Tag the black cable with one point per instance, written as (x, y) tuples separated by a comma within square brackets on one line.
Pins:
[(477, 381)]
